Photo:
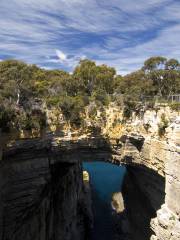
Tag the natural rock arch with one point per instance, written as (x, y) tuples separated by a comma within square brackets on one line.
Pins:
[(40, 162)]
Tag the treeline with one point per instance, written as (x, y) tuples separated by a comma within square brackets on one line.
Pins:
[(22, 86)]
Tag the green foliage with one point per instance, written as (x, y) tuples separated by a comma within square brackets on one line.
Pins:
[(21, 83), (27, 123), (165, 75), (163, 125), (92, 110), (53, 101), (72, 108), (15, 75), (101, 96), (172, 64), (147, 126), (150, 104), (136, 84), (154, 63), (175, 106), (95, 130), (129, 107), (6, 117), (172, 218), (32, 120), (92, 77)]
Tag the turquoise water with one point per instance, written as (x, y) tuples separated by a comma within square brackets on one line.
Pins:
[(105, 179)]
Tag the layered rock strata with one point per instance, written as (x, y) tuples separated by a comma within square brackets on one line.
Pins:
[(41, 180), (41, 199)]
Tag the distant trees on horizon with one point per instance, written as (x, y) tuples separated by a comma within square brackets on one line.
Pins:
[(21, 83)]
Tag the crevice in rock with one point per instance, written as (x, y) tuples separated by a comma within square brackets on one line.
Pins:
[(142, 200)]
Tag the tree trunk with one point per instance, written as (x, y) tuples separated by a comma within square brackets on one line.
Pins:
[(18, 96)]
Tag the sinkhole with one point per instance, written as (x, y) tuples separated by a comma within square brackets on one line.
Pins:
[(105, 181)]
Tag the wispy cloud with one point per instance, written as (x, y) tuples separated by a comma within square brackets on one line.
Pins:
[(62, 57), (58, 33)]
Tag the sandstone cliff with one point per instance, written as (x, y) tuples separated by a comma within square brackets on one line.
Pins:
[(146, 144), (40, 198)]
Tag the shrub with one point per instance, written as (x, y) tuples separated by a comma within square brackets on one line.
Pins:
[(147, 126), (172, 218), (162, 125), (73, 108), (92, 111), (118, 99), (175, 106), (150, 104), (95, 130), (29, 121), (7, 116), (129, 107), (52, 101), (101, 96)]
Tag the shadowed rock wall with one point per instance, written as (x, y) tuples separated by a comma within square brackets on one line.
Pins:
[(40, 200), (42, 193)]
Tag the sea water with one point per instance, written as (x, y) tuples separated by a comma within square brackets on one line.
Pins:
[(105, 179)]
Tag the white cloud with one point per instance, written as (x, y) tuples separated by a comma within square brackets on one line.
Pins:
[(129, 59), (69, 61), (62, 57), (110, 32)]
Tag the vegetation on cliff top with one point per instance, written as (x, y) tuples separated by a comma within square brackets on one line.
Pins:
[(25, 89)]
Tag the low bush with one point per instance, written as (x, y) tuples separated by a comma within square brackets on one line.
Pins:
[(129, 107), (73, 109), (7, 115), (162, 125), (29, 121), (52, 101), (147, 126), (100, 96), (175, 106)]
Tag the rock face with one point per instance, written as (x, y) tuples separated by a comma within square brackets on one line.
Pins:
[(167, 223), (158, 180), (41, 199), (143, 193), (117, 202), (42, 194)]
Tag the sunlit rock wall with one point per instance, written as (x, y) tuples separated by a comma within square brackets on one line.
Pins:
[(161, 154)]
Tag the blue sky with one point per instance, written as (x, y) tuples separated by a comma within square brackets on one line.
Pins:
[(120, 33)]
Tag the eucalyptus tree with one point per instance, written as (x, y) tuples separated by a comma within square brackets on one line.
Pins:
[(85, 73), (172, 77), (164, 73), (136, 85), (105, 78), (172, 64), (15, 76), (154, 67)]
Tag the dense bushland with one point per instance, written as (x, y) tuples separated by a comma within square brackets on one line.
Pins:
[(25, 89)]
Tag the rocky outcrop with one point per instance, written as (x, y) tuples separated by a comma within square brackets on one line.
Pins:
[(166, 225), (159, 181), (117, 202), (42, 180), (41, 199)]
